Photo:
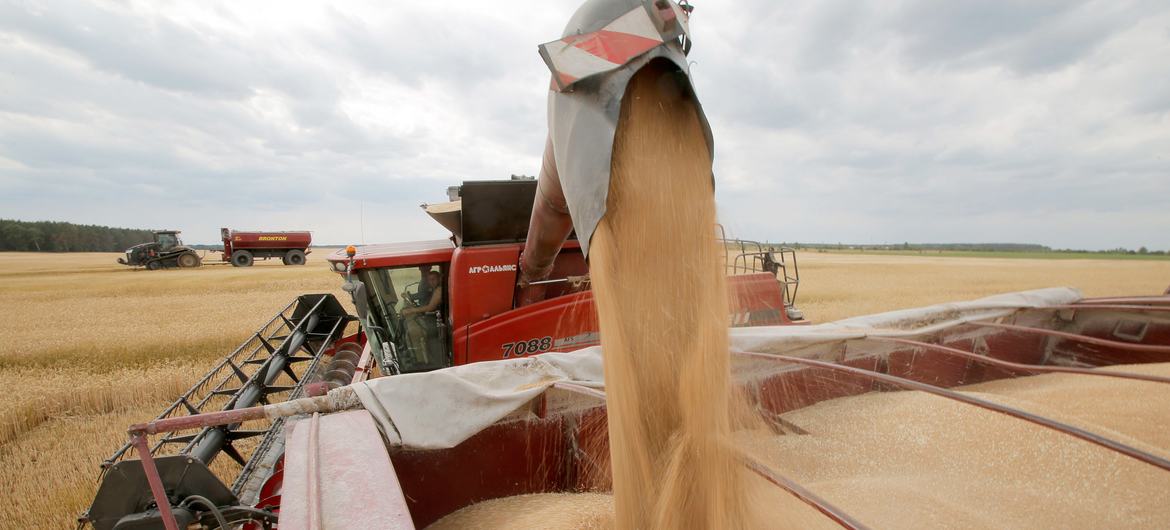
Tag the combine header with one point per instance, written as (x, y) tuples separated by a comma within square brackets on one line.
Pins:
[(302, 344)]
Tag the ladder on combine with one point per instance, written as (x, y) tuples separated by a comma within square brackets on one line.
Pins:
[(274, 364)]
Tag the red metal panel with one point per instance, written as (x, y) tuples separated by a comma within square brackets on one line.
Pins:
[(802, 387), (569, 322), (269, 240), (928, 367), (397, 254), (561, 324), (756, 300), (342, 469), (482, 282), (503, 460)]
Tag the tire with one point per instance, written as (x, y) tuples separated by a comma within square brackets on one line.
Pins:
[(154, 265), (294, 257), (188, 260), (242, 258)]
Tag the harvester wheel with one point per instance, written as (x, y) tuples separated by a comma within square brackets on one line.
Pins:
[(294, 257), (242, 258), (188, 260), (154, 265)]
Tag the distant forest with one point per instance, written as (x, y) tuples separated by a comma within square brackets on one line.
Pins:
[(52, 236)]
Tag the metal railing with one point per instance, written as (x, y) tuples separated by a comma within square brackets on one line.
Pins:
[(749, 256)]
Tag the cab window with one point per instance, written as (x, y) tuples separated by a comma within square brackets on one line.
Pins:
[(167, 240), (410, 305)]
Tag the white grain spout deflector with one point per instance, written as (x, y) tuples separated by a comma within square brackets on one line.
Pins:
[(605, 43)]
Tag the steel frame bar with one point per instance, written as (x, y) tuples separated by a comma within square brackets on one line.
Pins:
[(152, 477), (313, 480), (1119, 307), (362, 371), (1113, 445), (1034, 368), (206, 419), (1145, 348), (757, 467), (1141, 300), (798, 491)]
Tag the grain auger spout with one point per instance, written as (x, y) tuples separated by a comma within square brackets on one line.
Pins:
[(605, 43)]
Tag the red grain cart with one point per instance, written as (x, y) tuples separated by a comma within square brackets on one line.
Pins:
[(242, 248)]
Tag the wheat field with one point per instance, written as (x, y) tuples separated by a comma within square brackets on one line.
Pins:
[(90, 346)]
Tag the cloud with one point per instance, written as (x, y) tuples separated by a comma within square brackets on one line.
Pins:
[(835, 120)]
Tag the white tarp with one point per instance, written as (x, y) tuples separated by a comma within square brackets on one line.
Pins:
[(903, 323), (442, 408)]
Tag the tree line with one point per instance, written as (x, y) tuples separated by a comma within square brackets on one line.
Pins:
[(53, 236), (969, 247)]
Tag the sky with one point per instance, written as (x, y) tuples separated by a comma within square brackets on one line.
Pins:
[(857, 121)]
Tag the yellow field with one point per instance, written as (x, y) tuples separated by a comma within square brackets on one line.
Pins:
[(835, 286), (90, 346)]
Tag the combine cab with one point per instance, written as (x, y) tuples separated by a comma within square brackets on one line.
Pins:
[(167, 250)]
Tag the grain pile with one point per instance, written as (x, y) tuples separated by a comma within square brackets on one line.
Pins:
[(581, 511), (912, 460)]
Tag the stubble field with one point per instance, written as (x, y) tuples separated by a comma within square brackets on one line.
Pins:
[(88, 346)]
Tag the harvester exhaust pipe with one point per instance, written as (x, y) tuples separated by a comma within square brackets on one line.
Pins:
[(605, 43)]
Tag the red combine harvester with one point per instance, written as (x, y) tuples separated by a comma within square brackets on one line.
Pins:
[(479, 317), (242, 248), (441, 443)]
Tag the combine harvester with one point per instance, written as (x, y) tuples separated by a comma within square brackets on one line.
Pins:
[(306, 349), (313, 439)]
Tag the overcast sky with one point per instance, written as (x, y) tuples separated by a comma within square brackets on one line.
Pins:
[(871, 121)]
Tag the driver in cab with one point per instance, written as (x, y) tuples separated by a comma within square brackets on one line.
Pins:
[(415, 330)]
